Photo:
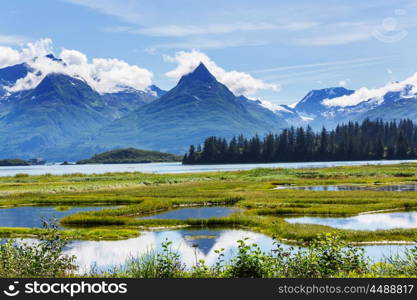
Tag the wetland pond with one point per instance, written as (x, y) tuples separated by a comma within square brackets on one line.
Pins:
[(194, 213), (378, 221), (341, 188), (32, 216), (193, 244)]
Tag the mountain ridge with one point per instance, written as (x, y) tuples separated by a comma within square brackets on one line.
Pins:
[(198, 106), (63, 112)]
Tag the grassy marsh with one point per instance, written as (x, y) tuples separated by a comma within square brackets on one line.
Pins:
[(139, 194)]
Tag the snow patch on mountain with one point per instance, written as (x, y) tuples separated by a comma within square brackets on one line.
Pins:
[(105, 75), (364, 94), (273, 107)]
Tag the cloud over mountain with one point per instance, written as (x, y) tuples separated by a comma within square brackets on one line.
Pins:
[(239, 83), (105, 75), (364, 94), (10, 56)]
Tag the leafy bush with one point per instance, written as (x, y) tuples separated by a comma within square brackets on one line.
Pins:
[(326, 256), (44, 258), (250, 262), (168, 262)]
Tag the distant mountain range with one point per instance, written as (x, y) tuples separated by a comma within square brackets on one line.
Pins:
[(63, 118), (392, 105)]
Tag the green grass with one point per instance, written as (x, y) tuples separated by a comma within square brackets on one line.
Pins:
[(138, 194), (95, 234)]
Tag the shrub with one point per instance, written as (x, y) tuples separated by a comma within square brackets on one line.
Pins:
[(36, 259), (250, 262), (404, 265), (326, 256)]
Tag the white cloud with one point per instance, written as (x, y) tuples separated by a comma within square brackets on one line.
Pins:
[(104, 75), (239, 83), (364, 94), (335, 39), (206, 43), (344, 83), (73, 57), (186, 30), (10, 56), (274, 107), (113, 74)]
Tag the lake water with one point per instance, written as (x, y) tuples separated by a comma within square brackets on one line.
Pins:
[(364, 221), (28, 216), (338, 188), (170, 168), (190, 244), (194, 213)]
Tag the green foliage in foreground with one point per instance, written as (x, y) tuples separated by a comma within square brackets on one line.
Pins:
[(325, 257), (38, 259), (129, 156)]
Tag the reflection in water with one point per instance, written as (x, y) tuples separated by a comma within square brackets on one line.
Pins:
[(338, 188), (194, 213), (105, 254), (364, 222), (28, 216)]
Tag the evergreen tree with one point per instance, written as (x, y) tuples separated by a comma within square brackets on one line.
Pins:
[(370, 140)]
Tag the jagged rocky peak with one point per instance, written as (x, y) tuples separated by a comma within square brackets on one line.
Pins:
[(201, 73)]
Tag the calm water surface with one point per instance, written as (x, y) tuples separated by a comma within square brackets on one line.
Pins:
[(176, 167), (194, 213), (28, 216), (338, 188), (365, 221)]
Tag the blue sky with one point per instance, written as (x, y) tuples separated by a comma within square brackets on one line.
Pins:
[(289, 47)]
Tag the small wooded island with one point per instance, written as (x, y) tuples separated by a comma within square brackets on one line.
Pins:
[(13, 162), (130, 156)]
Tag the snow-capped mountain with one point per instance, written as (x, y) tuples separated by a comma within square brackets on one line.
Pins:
[(311, 105), (329, 107), (58, 111)]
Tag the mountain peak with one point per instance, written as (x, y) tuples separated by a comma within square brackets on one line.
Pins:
[(201, 73), (53, 58), (312, 102), (59, 83)]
